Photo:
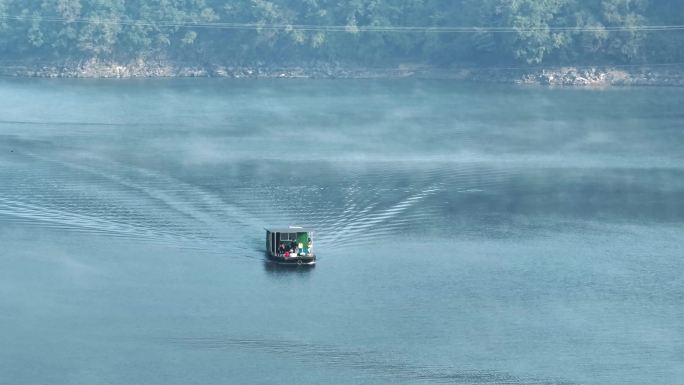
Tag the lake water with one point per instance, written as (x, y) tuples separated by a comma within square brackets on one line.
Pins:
[(466, 234)]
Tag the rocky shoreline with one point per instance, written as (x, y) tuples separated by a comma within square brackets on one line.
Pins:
[(551, 76)]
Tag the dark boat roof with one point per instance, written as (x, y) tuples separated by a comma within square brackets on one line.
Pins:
[(293, 229)]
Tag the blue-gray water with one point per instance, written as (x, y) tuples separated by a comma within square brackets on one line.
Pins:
[(466, 234)]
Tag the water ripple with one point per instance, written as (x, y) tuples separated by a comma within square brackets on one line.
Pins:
[(377, 364)]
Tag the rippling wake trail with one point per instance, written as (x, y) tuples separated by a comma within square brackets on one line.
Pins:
[(104, 196), (358, 227), (115, 199), (87, 223)]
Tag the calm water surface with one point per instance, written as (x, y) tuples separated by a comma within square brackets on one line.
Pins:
[(466, 234)]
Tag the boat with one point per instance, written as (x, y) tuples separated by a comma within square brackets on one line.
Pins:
[(290, 246)]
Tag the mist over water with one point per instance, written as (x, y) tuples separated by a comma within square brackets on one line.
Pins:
[(466, 234)]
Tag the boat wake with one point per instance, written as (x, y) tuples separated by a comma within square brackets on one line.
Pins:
[(366, 203)]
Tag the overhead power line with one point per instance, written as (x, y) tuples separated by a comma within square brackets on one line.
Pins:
[(343, 28)]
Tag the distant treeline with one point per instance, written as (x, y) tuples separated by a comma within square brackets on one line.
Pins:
[(364, 32)]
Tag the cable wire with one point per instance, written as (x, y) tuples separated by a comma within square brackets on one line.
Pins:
[(344, 28)]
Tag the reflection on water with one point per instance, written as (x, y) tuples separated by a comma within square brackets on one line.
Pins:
[(280, 269), (465, 234)]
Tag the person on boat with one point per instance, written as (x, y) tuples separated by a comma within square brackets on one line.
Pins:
[(281, 248), (309, 246)]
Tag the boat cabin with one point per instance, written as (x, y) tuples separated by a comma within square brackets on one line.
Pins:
[(291, 245)]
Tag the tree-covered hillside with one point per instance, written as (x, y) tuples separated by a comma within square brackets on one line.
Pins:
[(364, 32)]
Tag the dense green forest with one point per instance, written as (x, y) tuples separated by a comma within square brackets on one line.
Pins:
[(364, 32)]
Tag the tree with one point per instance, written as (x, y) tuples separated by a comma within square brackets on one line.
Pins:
[(527, 32)]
